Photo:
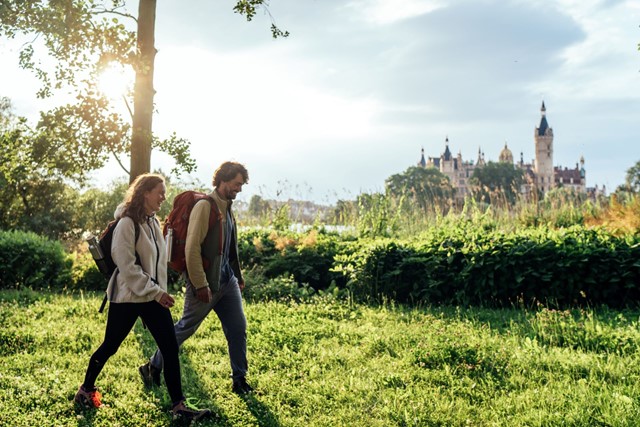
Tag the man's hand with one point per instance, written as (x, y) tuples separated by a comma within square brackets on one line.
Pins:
[(166, 300), (241, 285), (204, 294)]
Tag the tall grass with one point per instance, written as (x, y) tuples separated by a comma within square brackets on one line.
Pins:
[(372, 215)]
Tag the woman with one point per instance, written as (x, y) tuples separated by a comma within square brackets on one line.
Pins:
[(138, 288)]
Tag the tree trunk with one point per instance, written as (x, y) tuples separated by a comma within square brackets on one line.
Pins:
[(141, 133)]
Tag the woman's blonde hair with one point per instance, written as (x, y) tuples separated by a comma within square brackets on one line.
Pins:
[(133, 204)]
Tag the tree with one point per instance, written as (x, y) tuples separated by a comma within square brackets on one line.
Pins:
[(632, 178), (426, 187), (497, 183), (258, 207), (34, 194), (84, 37)]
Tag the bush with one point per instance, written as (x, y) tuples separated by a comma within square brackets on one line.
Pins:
[(29, 260), (469, 266), (306, 257), (277, 289), (86, 275)]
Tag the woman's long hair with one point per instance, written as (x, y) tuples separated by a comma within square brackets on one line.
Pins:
[(133, 204)]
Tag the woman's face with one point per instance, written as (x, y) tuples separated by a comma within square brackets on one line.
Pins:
[(153, 199)]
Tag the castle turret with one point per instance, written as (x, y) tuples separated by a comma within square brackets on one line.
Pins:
[(480, 161), (506, 156), (422, 161), (446, 161), (543, 137)]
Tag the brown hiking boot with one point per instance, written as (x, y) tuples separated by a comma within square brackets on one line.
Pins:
[(184, 411)]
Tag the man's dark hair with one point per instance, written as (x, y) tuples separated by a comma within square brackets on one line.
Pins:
[(229, 170)]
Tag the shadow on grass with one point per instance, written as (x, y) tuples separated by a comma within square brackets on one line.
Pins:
[(262, 413)]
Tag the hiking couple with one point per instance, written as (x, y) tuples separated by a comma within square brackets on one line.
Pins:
[(138, 288)]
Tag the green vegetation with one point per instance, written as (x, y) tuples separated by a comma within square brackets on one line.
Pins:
[(29, 260), (331, 362), (427, 314)]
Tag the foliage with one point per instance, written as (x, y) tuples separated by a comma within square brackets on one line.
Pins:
[(29, 260), (632, 178), (281, 219), (424, 187), (376, 215), (468, 265), (32, 203), (622, 217), (497, 183), (86, 275), (329, 362), (307, 257), (345, 212), (84, 38), (97, 206), (281, 288), (35, 171), (258, 207)]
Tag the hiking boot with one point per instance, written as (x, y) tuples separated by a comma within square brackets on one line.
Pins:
[(184, 411), (240, 386), (150, 375), (88, 399)]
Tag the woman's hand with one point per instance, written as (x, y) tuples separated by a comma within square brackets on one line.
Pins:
[(166, 300)]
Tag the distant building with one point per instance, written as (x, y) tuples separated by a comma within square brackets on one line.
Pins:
[(539, 174)]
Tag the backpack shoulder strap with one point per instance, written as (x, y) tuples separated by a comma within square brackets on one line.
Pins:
[(136, 226), (214, 215)]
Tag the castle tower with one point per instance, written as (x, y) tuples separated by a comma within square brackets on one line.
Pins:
[(543, 137), (446, 160)]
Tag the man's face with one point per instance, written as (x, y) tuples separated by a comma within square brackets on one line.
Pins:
[(230, 189)]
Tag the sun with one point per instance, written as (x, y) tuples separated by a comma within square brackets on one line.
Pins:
[(114, 81)]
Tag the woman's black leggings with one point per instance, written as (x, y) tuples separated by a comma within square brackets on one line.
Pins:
[(120, 321)]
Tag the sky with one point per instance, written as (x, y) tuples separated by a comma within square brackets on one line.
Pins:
[(361, 86)]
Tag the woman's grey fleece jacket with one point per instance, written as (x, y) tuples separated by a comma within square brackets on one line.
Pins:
[(132, 282)]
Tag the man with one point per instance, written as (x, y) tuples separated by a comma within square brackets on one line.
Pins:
[(215, 285)]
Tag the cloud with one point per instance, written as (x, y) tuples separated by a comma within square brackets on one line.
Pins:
[(247, 98), (385, 12)]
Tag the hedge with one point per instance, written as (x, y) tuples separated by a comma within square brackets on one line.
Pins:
[(566, 267), (29, 260)]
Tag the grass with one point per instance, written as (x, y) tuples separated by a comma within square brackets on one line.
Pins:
[(333, 363)]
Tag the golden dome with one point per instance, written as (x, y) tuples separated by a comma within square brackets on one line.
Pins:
[(506, 156)]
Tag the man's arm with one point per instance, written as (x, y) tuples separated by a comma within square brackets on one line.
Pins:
[(196, 233)]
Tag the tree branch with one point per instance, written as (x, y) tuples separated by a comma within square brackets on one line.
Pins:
[(115, 156), (115, 12)]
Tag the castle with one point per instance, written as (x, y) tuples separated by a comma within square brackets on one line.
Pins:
[(540, 174)]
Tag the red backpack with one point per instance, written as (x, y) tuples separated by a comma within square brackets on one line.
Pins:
[(177, 223)]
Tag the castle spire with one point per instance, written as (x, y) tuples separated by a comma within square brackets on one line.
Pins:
[(447, 152), (422, 161)]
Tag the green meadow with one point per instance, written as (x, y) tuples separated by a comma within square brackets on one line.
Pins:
[(332, 362)]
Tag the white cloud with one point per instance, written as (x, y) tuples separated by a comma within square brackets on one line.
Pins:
[(252, 101), (605, 62), (384, 12)]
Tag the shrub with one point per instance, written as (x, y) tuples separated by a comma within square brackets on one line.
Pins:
[(471, 266), (86, 275), (29, 260), (306, 257), (277, 289)]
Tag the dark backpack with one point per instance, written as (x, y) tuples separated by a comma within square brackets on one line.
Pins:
[(100, 249), (177, 223)]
